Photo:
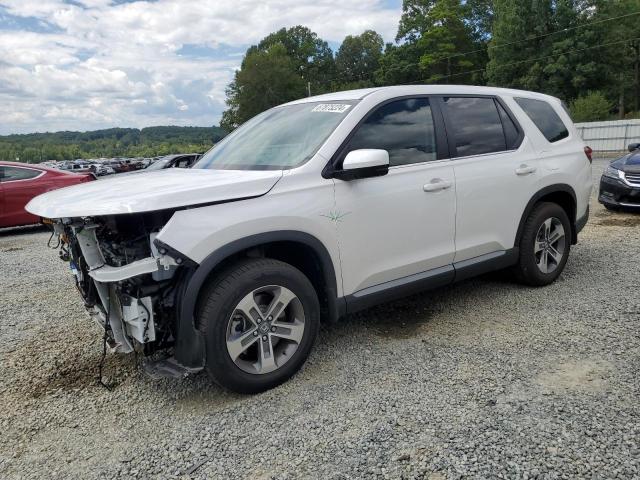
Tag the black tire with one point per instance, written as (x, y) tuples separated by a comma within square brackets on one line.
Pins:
[(611, 208), (218, 303), (527, 270)]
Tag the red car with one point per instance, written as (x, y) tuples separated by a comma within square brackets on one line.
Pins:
[(20, 182)]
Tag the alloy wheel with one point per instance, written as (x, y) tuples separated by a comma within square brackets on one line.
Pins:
[(265, 329), (550, 245)]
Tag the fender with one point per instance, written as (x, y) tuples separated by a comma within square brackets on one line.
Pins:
[(189, 350), (558, 187)]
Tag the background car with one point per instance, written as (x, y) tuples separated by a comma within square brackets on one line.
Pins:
[(174, 161), (100, 169), (20, 182), (77, 166), (620, 182)]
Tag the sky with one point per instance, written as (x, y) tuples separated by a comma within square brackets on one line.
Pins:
[(91, 64)]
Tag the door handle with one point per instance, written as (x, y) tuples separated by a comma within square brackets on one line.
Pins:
[(436, 185), (525, 169)]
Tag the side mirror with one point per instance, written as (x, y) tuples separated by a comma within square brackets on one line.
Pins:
[(364, 163), (634, 146)]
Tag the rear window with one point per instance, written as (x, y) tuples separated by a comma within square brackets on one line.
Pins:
[(9, 174), (545, 118)]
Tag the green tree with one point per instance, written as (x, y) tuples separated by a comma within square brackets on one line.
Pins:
[(311, 56), (592, 107), (266, 79), (358, 59), (445, 38), (516, 41), (574, 64), (399, 65), (621, 53), (479, 17), (36, 147), (566, 47)]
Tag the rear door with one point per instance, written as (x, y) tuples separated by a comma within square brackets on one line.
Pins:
[(495, 169)]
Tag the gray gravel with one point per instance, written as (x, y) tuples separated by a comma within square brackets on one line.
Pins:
[(485, 379)]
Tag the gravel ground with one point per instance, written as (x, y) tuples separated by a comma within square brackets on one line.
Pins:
[(485, 379)]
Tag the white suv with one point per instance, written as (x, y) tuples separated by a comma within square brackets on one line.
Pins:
[(319, 208)]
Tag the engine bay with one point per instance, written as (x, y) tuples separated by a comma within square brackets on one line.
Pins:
[(128, 286)]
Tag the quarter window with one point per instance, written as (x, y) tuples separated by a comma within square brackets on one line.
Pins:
[(477, 127), (511, 132), (404, 128), (8, 174), (545, 118)]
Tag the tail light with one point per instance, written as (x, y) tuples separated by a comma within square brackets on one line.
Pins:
[(589, 153)]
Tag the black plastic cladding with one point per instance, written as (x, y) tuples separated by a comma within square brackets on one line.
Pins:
[(189, 349)]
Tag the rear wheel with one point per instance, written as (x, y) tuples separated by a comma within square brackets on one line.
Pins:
[(259, 319), (544, 245)]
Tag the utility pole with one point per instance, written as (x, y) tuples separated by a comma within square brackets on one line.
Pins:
[(636, 49), (621, 100), (308, 89)]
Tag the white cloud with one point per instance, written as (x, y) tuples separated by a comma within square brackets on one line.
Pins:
[(101, 63)]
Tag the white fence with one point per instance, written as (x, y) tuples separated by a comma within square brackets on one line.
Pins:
[(612, 136)]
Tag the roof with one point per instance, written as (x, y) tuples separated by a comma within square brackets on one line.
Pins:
[(398, 90)]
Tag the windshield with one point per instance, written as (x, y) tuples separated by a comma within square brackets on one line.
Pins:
[(280, 138), (159, 164)]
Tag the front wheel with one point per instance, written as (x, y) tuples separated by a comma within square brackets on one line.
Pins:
[(544, 245), (259, 319)]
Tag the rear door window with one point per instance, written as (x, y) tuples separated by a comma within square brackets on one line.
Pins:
[(404, 128), (476, 124), (545, 118)]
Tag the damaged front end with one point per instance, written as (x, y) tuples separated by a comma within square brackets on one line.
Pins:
[(130, 286)]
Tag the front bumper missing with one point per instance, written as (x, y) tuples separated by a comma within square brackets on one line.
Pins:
[(126, 317)]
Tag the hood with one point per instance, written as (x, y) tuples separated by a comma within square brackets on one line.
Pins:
[(628, 163), (164, 189)]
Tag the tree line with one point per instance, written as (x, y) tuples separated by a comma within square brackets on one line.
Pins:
[(113, 142), (586, 52)]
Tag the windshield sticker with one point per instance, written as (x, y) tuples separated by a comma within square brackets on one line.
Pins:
[(331, 107)]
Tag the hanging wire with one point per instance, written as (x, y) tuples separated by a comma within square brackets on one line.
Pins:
[(517, 42), (530, 59), (528, 39), (107, 325)]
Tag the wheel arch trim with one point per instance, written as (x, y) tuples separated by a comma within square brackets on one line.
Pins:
[(189, 350), (543, 192)]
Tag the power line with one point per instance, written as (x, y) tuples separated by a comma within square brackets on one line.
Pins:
[(517, 42), (491, 47), (530, 59), (416, 64)]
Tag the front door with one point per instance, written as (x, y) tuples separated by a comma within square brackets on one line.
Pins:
[(401, 224)]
